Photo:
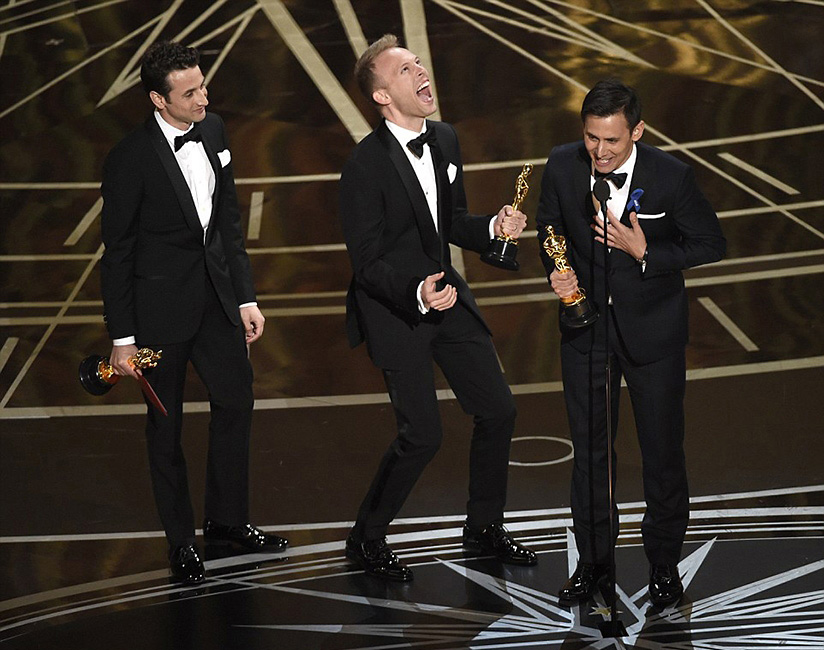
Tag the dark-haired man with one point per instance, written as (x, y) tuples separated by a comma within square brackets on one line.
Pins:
[(402, 202), (670, 228), (176, 277)]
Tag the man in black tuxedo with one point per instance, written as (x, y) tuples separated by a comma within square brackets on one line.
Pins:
[(642, 323), (400, 209), (176, 277)]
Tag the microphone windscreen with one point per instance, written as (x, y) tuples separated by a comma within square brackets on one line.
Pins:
[(601, 190)]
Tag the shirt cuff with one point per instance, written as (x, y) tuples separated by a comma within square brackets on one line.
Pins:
[(492, 227), (421, 307), (126, 340), (247, 304)]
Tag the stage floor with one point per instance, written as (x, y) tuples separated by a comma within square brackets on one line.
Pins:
[(735, 88)]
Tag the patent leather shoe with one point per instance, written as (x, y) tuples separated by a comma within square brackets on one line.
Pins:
[(186, 565), (495, 540), (377, 559), (582, 583), (245, 535), (665, 586)]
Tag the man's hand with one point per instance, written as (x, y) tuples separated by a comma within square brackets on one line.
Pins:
[(509, 222), (564, 284), (434, 299), (119, 360), (630, 239), (252, 323)]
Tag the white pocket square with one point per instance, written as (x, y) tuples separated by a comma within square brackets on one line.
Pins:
[(451, 172), (224, 157), (650, 216)]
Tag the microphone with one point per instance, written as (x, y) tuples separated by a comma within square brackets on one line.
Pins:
[(601, 191)]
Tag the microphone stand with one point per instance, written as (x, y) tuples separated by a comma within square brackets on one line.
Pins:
[(612, 627)]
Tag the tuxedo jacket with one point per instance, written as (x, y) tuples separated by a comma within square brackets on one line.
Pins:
[(156, 263), (681, 229), (393, 244)]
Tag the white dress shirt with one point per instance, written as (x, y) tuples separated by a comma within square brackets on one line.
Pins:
[(619, 196), (196, 168), (424, 168)]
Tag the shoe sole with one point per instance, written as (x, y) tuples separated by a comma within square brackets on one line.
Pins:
[(667, 603), (188, 581), (569, 602), (228, 542), (353, 557), (474, 551)]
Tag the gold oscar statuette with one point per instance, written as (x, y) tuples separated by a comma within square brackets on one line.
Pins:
[(97, 375), (503, 249), (576, 310)]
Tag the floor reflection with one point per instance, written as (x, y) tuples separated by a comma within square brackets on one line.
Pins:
[(735, 88)]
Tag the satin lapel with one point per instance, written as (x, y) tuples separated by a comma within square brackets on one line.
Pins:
[(420, 208), (581, 175), (642, 176), (217, 169), (444, 190), (167, 158)]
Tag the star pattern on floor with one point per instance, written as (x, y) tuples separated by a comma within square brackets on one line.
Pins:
[(754, 614)]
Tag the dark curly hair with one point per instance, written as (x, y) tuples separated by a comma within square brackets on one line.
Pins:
[(162, 58), (609, 97)]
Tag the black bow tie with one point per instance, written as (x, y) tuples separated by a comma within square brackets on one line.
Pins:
[(618, 179), (416, 145), (192, 135)]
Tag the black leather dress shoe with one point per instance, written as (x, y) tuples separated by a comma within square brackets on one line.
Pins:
[(245, 535), (496, 540), (665, 586), (377, 559), (581, 584), (186, 565)]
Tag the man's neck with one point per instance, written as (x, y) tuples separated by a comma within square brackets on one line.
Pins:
[(182, 126), (406, 122)]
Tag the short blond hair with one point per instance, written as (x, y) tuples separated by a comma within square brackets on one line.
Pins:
[(365, 67)]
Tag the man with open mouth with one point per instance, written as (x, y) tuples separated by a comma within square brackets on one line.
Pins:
[(402, 203)]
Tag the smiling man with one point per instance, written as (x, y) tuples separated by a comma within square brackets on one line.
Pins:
[(402, 203), (659, 224), (176, 277)]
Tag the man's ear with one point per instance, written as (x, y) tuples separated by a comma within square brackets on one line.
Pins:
[(158, 100), (638, 131), (381, 97)]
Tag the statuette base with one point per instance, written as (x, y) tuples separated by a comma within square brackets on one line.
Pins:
[(501, 253)]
